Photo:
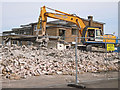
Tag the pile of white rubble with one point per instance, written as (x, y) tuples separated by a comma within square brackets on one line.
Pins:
[(18, 62)]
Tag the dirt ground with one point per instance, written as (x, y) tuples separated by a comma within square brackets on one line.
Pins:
[(90, 80)]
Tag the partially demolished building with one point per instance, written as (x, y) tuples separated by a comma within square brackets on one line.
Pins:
[(54, 29)]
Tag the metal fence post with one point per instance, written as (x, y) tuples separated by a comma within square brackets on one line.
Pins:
[(76, 59), (118, 47), (105, 49), (10, 42)]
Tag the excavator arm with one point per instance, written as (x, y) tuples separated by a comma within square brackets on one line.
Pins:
[(62, 16), (42, 20)]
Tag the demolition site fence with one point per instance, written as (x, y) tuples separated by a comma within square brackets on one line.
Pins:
[(115, 45)]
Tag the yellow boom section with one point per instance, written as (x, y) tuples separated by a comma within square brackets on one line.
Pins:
[(42, 18), (69, 18), (64, 16)]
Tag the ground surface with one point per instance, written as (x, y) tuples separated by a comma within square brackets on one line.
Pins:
[(90, 80)]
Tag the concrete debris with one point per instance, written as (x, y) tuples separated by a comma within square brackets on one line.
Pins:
[(21, 62), (43, 41)]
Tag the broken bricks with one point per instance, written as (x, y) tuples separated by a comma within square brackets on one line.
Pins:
[(21, 62)]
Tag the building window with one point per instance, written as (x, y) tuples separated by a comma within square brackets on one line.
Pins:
[(20, 43), (74, 31), (28, 43), (35, 28), (21, 32), (14, 42), (62, 33), (25, 32)]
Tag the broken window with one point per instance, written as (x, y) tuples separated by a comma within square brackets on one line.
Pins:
[(35, 28), (28, 43), (15, 42), (62, 33), (74, 31)]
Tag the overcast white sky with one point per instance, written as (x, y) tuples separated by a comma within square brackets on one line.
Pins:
[(16, 13)]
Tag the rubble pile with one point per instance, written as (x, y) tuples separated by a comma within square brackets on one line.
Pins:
[(18, 62)]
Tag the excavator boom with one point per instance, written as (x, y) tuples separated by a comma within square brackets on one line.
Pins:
[(62, 16)]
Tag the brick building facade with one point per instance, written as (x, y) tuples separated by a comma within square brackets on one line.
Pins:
[(54, 28)]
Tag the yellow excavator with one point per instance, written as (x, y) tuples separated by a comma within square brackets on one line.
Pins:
[(93, 35)]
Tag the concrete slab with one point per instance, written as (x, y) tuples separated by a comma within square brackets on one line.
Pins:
[(91, 80)]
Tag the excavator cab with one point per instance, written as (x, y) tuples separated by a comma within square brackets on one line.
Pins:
[(91, 34), (94, 34), (98, 35)]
